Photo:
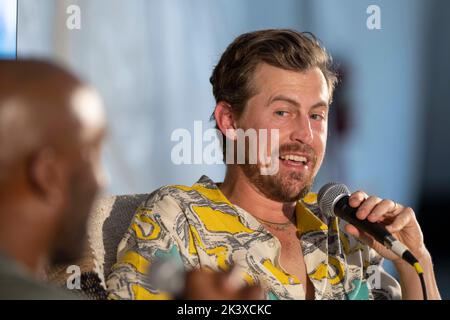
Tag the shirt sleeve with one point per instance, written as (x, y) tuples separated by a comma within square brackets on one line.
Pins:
[(152, 234)]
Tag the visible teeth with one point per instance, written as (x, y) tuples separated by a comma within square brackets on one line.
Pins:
[(293, 157)]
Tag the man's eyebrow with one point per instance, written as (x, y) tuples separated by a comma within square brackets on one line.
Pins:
[(283, 98), (320, 104), (295, 103)]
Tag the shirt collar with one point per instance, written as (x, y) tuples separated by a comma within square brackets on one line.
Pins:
[(307, 211)]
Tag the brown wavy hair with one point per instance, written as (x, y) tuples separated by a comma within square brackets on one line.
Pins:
[(283, 48)]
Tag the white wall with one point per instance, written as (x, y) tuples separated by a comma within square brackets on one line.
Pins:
[(383, 154)]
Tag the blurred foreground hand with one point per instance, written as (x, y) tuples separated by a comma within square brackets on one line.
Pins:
[(207, 285)]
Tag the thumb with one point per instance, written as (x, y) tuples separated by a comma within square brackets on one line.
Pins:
[(361, 235), (254, 292)]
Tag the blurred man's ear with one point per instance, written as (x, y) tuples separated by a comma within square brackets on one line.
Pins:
[(225, 119), (45, 174)]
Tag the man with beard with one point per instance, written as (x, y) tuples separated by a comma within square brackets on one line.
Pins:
[(51, 129), (267, 228)]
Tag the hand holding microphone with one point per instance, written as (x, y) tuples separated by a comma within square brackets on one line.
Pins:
[(168, 275), (209, 285), (393, 226), (389, 228)]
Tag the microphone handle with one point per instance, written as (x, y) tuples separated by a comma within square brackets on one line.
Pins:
[(343, 210)]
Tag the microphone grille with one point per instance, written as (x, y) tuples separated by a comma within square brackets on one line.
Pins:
[(167, 275), (327, 196)]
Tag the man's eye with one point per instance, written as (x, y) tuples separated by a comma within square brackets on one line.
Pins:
[(317, 116), (281, 113)]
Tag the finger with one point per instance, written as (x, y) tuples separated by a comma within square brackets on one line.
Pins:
[(352, 230), (385, 207), (251, 293), (356, 198), (199, 285), (234, 288), (364, 237), (232, 279), (196, 276), (366, 207), (405, 217)]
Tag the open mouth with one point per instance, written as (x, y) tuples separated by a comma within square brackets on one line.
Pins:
[(294, 160)]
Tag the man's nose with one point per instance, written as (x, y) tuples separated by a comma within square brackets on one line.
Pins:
[(101, 178), (303, 131)]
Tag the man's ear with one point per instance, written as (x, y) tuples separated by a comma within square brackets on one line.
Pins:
[(225, 119), (45, 175)]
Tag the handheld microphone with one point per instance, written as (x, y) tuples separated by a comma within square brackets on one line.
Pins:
[(333, 199), (167, 275)]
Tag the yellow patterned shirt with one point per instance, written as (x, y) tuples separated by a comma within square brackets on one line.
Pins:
[(199, 226)]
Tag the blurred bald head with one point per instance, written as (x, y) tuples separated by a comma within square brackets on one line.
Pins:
[(42, 105), (51, 129)]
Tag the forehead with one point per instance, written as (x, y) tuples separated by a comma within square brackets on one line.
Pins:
[(87, 107), (269, 80)]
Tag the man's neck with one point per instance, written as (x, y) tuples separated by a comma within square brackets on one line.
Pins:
[(238, 189), (20, 242), (33, 262)]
